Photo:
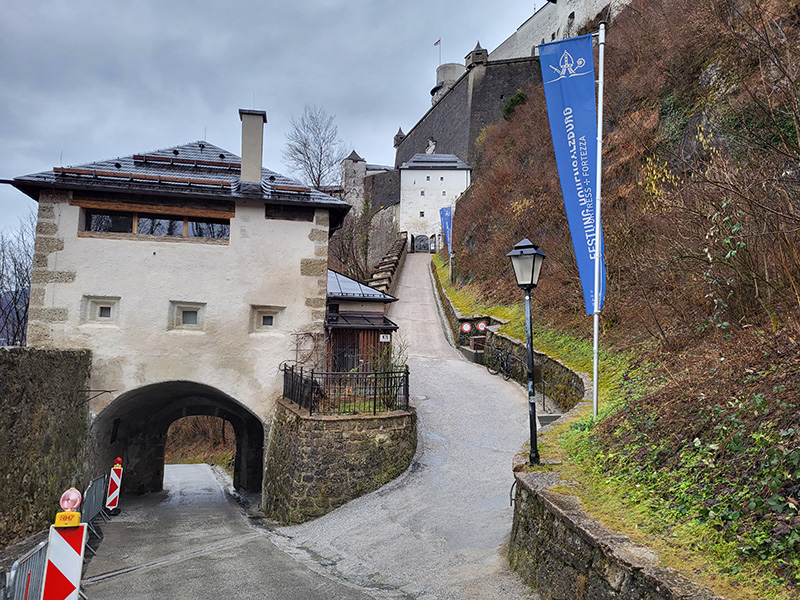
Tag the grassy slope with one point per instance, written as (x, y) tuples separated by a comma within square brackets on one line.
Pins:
[(700, 435)]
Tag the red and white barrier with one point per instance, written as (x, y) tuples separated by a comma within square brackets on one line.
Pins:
[(114, 485), (62, 577)]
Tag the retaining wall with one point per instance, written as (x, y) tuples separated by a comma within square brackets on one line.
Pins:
[(386, 273), (564, 388), (44, 422), (566, 555), (317, 463)]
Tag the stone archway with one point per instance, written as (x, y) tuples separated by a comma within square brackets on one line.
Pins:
[(134, 426)]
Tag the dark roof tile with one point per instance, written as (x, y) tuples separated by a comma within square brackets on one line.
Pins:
[(198, 169)]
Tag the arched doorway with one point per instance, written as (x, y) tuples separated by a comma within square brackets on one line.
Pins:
[(134, 426), (421, 243)]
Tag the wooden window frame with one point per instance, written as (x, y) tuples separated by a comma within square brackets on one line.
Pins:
[(178, 212)]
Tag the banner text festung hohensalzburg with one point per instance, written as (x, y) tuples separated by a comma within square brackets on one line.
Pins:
[(569, 87)]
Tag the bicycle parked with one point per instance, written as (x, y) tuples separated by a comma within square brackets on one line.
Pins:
[(499, 360)]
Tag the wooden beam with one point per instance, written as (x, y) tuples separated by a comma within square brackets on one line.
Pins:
[(179, 211)]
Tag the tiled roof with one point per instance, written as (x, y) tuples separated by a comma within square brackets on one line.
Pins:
[(341, 287), (435, 161), (198, 169)]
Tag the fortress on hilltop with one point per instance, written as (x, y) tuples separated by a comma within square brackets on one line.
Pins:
[(465, 100)]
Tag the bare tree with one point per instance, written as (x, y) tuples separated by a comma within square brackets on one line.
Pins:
[(314, 150), (16, 262), (348, 252)]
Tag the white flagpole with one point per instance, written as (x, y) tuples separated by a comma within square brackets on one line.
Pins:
[(598, 227)]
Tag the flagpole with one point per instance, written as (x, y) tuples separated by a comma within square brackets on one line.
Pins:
[(598, 255)]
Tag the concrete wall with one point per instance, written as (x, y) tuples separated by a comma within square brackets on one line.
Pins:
[(440, 187), (266, 263), (44, 420), (315, 464), (565, 555)]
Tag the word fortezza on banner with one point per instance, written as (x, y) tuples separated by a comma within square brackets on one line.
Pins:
[(579, 155)]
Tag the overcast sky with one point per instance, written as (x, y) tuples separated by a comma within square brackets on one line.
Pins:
[(83, 81)]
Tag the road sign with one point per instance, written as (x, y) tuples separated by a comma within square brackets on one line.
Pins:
[(62, 576), (481, 326), (114, 484), (466, 327)]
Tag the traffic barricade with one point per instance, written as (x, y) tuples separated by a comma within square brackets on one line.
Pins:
[(27, 575), (93, 505), (67, 541)]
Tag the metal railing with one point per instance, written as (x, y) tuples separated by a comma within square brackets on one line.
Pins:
[(26, 578), (348, 393), (93, 499)]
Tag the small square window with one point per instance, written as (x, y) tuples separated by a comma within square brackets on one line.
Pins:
[(264, 318), (422, 192), (441, 178), (187, 315), (444, 192), (422, 214), (100, 310), (427, 178)]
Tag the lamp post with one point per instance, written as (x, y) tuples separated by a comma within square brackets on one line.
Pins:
[(527, 259)]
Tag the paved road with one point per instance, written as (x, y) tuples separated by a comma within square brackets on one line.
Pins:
[(192, 542), (440, 529)]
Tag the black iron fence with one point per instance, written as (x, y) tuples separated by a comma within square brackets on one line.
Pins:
[(349, 393)]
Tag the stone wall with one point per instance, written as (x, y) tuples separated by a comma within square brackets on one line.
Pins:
[(44, 420), (475, 101), (317, 463), (564, 388), (565, 555), (382, 189), (386, 273), (382, 233)]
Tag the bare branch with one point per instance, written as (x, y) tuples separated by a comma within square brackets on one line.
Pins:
[(313, 149)]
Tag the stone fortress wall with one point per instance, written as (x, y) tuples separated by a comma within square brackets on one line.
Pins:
[(554, 21), (466, 98)]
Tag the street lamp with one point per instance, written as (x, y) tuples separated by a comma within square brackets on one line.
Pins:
[(527, 259)]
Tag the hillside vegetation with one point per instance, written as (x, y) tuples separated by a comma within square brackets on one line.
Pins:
[(201, 439), (701, 213)]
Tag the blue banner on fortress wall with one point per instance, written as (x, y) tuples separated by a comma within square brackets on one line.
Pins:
[(568, 77)]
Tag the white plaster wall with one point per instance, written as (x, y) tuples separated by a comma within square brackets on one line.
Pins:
[(551, 19), (260, 266), (412, 181)]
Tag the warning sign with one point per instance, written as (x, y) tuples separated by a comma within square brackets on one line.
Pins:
[(62, 576)]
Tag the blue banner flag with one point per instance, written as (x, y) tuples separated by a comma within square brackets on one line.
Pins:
[(568, 78), (446, 215)]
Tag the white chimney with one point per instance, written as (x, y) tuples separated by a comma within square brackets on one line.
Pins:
[(252, 148)]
